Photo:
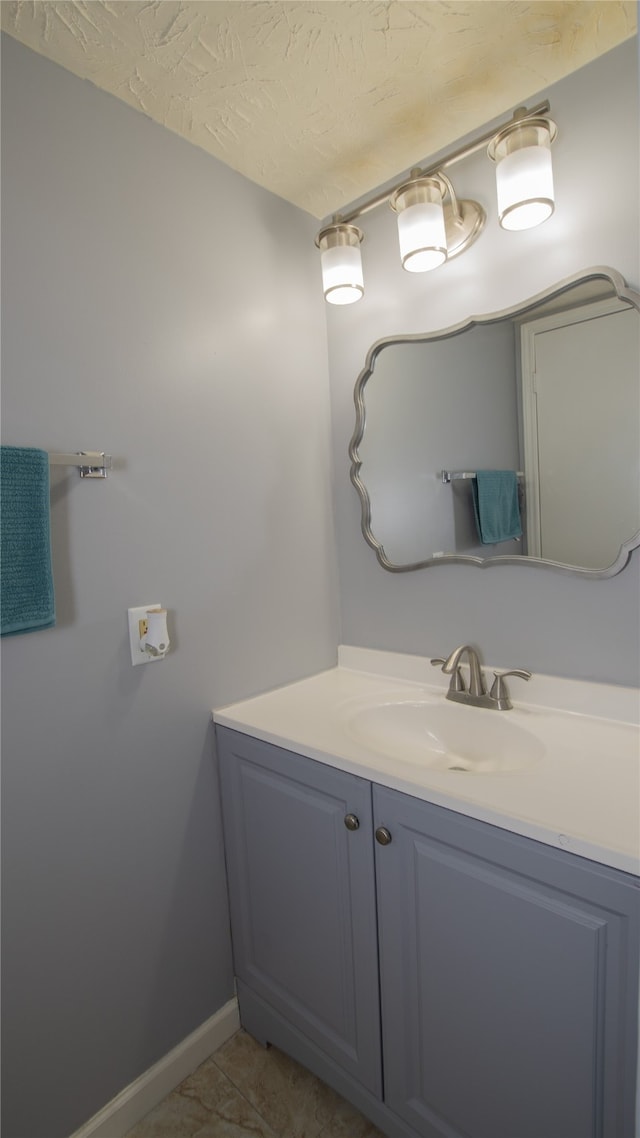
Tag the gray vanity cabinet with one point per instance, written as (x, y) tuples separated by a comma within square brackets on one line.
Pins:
[(500, 974), (302, 897), (508, 979)]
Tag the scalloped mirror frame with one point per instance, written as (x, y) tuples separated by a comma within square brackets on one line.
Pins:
[(622, 291)]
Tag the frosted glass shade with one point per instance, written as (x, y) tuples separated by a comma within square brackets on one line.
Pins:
[(342, 279), (524, 177), (421, 230)]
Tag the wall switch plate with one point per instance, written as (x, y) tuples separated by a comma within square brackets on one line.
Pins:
[(137, 621)]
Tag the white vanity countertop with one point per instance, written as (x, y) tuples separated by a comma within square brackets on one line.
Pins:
[(583, 795)]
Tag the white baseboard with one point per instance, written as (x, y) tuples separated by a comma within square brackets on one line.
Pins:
[(127, 1108)]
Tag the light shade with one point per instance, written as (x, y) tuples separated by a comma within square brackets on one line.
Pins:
[(421, 229), (341, 261), (524, 176)]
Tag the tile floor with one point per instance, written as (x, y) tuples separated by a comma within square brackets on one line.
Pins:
[(246, 1091)]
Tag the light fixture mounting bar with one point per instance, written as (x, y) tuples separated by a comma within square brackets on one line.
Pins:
[(521, 115)]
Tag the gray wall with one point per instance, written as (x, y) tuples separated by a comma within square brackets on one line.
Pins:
[(523, 615), (160, 307)]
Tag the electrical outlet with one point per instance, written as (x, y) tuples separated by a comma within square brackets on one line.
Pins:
[(137, 628)]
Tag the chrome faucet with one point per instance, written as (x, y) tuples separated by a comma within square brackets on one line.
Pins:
[(476, 694)]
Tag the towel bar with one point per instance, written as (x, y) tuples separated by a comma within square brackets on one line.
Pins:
[(452, 475), (92, 463)]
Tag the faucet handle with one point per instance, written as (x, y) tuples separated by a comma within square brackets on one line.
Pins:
[(499, 689), (457, 680), (522, 672)]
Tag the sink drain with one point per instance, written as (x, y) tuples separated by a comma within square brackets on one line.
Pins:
[(455, 767)]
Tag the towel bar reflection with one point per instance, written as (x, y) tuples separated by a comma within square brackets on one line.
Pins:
[(92, 463), (452, 475)]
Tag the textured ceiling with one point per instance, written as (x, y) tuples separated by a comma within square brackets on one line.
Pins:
[(321, 102)]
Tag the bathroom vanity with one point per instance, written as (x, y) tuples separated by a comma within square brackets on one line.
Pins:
[(452, 947)]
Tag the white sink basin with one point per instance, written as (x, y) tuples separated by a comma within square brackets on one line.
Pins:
[(444, 736), (561, 767)]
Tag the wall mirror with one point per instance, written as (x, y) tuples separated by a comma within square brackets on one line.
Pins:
[(549, 392)]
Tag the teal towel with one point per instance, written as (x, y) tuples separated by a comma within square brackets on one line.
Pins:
[(26, 580), (495, 501)]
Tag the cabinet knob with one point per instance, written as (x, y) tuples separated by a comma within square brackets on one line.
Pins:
[(383, 836), (351, 821)]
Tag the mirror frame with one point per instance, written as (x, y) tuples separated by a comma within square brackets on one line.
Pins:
[(622, 291)]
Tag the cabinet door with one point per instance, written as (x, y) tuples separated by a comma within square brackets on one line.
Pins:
[(508, 978), (302, 896)]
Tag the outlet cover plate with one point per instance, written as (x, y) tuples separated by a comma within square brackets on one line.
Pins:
[(138, 655)]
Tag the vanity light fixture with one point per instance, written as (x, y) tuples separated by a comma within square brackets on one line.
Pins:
[(433, 224), (341, 261), (524, 177), (423, 241), (430, 238)]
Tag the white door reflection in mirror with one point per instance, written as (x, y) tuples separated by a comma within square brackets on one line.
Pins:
[(581, 381)]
